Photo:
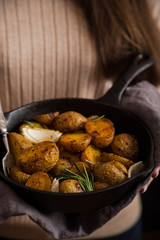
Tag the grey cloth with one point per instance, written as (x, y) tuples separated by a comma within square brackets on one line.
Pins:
[(142, 99)]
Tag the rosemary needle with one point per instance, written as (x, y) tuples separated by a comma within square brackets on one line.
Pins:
[(95, 120), (85, 182)]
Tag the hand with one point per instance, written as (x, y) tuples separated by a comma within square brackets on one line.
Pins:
[(154, 175)]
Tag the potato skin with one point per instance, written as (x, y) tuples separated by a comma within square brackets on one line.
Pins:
[(106, 157), (110, 172), (69, 122), (125, 145), (70, 186), (102, 132), (40, 181), (75, 142), (46, 118), (80, 165), (17, 144), (40, 157), (100, 185), (60, 166), (72, 157), (18, 176)]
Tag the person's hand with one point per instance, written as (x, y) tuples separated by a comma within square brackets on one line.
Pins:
[(154, 175)]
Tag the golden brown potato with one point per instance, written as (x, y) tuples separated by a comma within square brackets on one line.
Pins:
[(69, 122), (29, 124), (40, 181), (40, 157), (17, 144), (80, 165), (102, 132), (100, 185), (110, 172), (72, 157), (70, 186), (75, 142), (106, 157), (60, 166), (125, 145), (46, 118), (91, 154), (18, 176)]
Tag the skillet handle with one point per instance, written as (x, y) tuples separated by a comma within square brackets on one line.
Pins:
[(139, 64)]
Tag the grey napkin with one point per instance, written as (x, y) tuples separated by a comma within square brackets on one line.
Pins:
[(144, 100)]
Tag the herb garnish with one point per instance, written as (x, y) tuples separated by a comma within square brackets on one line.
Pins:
[(95, 120), (85, 182)]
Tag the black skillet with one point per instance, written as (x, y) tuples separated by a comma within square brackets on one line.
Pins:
[(123, 120)]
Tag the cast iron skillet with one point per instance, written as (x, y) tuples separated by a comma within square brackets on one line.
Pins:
[(123, 120)]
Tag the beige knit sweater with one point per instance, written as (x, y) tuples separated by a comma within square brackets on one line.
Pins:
[(46, 51)]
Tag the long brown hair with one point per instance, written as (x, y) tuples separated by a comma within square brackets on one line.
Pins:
[(123, 28)]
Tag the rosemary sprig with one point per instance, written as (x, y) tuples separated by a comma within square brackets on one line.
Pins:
[(90, 162), (85, 182), (95, 120)]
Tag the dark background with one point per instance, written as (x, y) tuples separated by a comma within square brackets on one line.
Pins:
[(151, 211)]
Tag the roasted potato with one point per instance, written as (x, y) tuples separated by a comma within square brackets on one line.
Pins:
[(91, 154), (70, 186), (92, 117), (106, 157), (80, 165), (75, 142), (112, 172), (125, 145), (100, 185), (18, 176), (40, 181), (72, 157), (17, 144), (60, 166), (40, 157), (102, 132), (46, 118), (69, 122)]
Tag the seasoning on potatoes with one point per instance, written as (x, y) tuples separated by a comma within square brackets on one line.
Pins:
[(40, 181), (18, 176), (100, 185), (80, 165), (110, 172), (70, 186), (75, 142), (60, 166), (63, 153), (17, 144), (102, 132), (125, 145), (40, 157), (69, 122), (106, 157), (72, 157), (91, 154), (46, 118)]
